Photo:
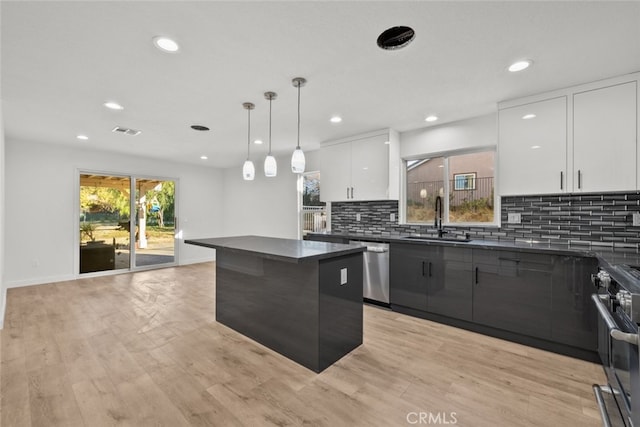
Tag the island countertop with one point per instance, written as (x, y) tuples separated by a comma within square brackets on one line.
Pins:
[(288, 250)]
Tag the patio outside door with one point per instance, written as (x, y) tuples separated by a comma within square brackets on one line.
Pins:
[(155, 222), (121, 232), (105, 206)]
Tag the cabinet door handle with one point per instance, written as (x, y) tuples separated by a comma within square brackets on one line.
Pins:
[(561, 180), (579, 179), (347, 192), (429, 269), (476, 274), (422, 268), (352, 192)]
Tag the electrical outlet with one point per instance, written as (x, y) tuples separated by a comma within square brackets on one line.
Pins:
[(392, 217), (343, 276), (636, 219), (358, 217), (514, 218)]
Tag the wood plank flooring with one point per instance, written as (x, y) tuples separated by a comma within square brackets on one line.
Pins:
[(143, 349)]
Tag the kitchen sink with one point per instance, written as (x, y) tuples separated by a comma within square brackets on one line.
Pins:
[(437, 239)]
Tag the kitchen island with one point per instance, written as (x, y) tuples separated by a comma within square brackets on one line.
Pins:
[(300, 298)]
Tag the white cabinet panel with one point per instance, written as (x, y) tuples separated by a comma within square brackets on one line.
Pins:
[(587, 133), (335, 172), (370, 168), (360, 168), (604, 135), (533, 151)]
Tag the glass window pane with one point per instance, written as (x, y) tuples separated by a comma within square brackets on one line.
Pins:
[(314, 212), (104, 223), (471, 197), (155, 230), (424, 184)]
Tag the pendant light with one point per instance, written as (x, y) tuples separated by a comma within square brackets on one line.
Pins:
[(297, 159), (270, 165), (248, 170)]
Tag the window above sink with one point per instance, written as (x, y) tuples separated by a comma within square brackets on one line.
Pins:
[(463, 180)]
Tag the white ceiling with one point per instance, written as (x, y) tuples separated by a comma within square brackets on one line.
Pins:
[(62, 60)]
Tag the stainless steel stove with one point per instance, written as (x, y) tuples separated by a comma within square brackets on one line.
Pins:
[(618, 304)]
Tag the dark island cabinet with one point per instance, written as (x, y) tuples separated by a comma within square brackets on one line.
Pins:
[(574, 317), (512, 291), (431, 278)]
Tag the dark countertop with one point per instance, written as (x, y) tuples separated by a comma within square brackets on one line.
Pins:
[(288, 250), (607, 255)]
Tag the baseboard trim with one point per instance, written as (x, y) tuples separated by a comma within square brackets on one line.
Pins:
[(197, 261), (39, 281), (4, 305)]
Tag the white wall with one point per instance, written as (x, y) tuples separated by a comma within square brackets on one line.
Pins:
[(264, 206), (41, 199), (3, 289), (465, 134)]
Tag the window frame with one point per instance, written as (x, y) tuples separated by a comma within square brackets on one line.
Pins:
[(447, 190)]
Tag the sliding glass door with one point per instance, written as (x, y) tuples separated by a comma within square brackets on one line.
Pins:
[(155, 222), (121, 232), (105, 212)]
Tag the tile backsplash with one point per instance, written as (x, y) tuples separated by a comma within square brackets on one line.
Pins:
[(590, 219)]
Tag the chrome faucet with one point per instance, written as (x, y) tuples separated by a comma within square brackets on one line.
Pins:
[(437, 222)]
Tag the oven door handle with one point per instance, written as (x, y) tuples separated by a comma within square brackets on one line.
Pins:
[(615, 333)]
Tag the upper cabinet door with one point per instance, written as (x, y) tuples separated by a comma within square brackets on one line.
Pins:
[(370, 168), (335, 173), (532, 148), (604, 137)]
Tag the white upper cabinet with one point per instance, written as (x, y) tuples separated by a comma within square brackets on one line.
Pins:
[(604, 138), (582, 139), (533, 147), (360, 168), (335, 172)]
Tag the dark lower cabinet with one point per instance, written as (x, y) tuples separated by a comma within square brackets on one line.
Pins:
[(449, 290), (408, 270), (329, 238), (431, 278), (574, 317), (512, 291)]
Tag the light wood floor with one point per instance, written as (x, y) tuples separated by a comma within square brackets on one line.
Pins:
[(144, 349)]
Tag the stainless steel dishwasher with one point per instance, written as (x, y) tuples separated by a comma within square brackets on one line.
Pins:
[(375, 283)]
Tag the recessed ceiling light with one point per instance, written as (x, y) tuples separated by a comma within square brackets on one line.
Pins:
[(113, 105), (431, 118), (200, 128), (535, 147), (528, 116), (204, 157), (165, 44), (82, 137), (335, 119), (257, 141), (520, 65)]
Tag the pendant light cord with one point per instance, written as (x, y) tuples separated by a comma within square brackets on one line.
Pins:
[(298, 146), (270, 98), (248, 132)]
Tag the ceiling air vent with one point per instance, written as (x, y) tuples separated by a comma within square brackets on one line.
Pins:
[(126, 131)]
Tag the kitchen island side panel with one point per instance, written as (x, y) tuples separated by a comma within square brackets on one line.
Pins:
[(272, 302), (340, 307)]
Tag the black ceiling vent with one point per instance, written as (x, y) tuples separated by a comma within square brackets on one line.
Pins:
[(396, 38), (199, 127)]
